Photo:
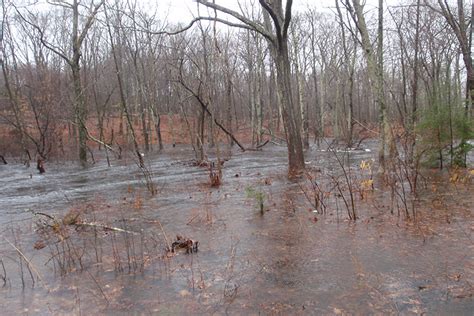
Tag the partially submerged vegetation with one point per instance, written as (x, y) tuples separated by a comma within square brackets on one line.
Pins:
[(288, 149), (224, 249)]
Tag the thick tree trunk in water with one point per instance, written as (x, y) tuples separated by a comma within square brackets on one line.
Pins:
[(275, 30), (290, 120), (81, 113), (80, 106), (74, 62), (77, 38)]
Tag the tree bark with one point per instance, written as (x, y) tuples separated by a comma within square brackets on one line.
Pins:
[(375, 68), (73, 61), (290, 121), (275, 30)]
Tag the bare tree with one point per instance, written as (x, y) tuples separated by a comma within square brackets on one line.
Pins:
[(13, 93), (120, 80), (374, 65), (73, 58), (275, 29), (462, 27)]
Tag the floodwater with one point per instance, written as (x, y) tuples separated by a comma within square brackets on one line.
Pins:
[(290, 260)]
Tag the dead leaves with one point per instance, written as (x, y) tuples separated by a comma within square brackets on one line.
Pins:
[(461, 176), (366, 185)]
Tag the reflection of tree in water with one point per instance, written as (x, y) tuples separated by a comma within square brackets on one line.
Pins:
[(289, 242)]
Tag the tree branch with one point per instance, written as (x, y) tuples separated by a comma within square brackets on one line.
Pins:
[(203, 18), (59, 3), (255, 26), (204, 105), (274, 17), (89, 22), (287, 21), (42, 40)]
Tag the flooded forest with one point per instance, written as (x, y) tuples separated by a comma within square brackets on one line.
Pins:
[(201, 157)]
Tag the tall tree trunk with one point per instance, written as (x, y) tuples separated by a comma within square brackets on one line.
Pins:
[(290, 120), (12, 94), (300, 90), (229, 101), (123, 100), (383, 123), (80, 105), (73, 61), (275, 30), (81, 113), (414, 108), (375, 70), (471, 82), (259, 99)]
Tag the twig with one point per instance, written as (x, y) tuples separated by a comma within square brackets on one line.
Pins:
[(100, 288), (192, 219), (348, 178), (30, 265), (4, 276), (366, 127), (164, 234), (259, 146), (43, 214)]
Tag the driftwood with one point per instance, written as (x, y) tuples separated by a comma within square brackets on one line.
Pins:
[(2, 159)]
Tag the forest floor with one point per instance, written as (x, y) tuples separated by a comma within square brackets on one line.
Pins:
[(94, 241)]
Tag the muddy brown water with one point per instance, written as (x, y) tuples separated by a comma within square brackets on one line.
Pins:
[(288, 261)]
